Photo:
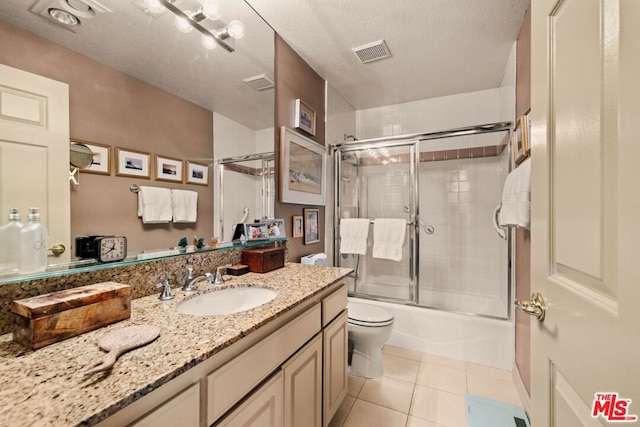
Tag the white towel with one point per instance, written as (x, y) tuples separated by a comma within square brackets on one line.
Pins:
[(154, 205), (185, 205), (388, 238), (516, 197), (354, 233)]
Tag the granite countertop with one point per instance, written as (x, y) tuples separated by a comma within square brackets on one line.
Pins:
[(47, 387)]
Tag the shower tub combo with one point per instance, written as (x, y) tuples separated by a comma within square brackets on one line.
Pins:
[(451, 293)]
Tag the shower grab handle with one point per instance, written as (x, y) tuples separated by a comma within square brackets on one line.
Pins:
[(495, 223)]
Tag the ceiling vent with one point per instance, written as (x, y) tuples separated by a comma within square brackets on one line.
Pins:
[(70, 14), (260, 82), (372, 51)]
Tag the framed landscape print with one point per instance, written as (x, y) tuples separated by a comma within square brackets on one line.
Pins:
[(302, 172)]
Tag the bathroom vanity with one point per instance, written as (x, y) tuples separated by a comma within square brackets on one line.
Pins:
[(283, 363)]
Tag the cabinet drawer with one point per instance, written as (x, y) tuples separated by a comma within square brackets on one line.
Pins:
[(227, 385), (182, 410), (334, 304)]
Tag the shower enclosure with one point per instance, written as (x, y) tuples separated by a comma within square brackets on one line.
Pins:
[(245, 191), (446, 185)]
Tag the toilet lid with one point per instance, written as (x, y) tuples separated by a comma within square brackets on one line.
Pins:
[(368, 313)]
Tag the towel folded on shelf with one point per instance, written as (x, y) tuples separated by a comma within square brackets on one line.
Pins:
[(516, 198), (354, 233), (185, 205), (388, 238), (154, 205)]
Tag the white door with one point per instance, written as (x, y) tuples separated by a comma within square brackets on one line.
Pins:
[(34, 150), (586, 211)]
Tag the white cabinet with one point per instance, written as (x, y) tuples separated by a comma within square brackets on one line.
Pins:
[(303, 386), (264, 408), (335, 365), (182, 410)]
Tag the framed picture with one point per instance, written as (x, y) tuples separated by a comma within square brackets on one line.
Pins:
[(311, 231), (302, 172), (266, 229), (304, 117), (168, 169), (133, 163), (101, 163), (197, 173), (521, 139), (297, 226)]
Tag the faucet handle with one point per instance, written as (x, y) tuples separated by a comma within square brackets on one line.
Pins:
[(167, 294), (190, 270), (219, 279)]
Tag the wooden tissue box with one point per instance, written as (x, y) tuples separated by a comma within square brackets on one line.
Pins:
[(263, 260), (49, 318)]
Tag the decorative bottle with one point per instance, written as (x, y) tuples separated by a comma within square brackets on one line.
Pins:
[(33, 244), (10, 242)]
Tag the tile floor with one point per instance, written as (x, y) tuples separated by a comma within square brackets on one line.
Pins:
[(421, 390)]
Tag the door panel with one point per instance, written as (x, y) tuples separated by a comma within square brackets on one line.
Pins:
[(34, 149), (585, 205)]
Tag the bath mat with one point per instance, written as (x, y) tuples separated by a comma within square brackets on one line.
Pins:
[(483, 412)]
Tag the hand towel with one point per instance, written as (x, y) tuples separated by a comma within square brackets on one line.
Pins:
[(354, 233), (516, 197), (185, 205), (388, 238), (154, 205)]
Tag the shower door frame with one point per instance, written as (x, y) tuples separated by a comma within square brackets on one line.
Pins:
[(267, 160), (415, 140)]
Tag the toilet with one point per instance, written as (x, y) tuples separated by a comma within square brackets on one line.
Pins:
[(369, 328)]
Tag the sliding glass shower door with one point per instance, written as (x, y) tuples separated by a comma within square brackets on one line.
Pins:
[(379, 182)]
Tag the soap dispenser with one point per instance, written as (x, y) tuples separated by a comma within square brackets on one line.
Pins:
[(10, 242), (33, 244)]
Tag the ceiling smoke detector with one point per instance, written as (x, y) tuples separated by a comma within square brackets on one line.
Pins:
[(260, 82), (372, 51)]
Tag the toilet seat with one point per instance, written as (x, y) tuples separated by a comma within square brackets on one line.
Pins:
[(368, 315)]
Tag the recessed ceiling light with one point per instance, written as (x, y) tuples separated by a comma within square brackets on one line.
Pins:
[(64, 17)]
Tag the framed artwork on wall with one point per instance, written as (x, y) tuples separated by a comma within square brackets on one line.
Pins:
[(197, 173), (521, 139), (168, 169), (101, 163), (311, 223), (305, 117), (133, 163), (302, 171), (297, 226)]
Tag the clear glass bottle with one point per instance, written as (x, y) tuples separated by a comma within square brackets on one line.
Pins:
[(10, 242), (33, 244)]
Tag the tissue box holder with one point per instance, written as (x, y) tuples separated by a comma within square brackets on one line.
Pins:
[(312, 260), (49, 318)]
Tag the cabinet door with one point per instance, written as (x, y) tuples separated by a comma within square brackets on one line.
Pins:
[(182, 410), (303, 386), (335, 366), (263, 408)]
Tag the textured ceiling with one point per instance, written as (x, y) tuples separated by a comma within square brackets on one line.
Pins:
[(438, 47)]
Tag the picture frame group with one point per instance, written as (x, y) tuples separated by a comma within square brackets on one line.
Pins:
[(139, 164), (264, 230)]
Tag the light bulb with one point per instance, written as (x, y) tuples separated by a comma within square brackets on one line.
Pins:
[(236, 29), (183, 23), (211, 9), (153, 6), (208, 41)]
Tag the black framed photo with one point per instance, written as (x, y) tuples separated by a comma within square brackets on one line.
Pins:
[(311, 226)]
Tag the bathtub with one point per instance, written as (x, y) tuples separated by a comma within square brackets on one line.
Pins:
[(458, 336)]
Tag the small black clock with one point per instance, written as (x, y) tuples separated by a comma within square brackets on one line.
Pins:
[(111, 248)]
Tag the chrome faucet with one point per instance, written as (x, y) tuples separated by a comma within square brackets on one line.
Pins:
[(167, 294), (219, 279), (190, 283)]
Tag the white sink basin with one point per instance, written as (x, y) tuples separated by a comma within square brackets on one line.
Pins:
[(226, 301)]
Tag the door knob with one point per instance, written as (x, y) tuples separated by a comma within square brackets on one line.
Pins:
[(58, 249), (533, 307)]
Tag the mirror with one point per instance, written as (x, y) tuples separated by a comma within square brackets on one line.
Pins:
[(80, 156), (142, 49)]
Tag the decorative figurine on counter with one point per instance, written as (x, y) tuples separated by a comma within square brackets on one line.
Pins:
[(200, 243), (183, 243)]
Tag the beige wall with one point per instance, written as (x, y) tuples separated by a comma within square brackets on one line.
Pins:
[(296, 79), (112, 108)]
